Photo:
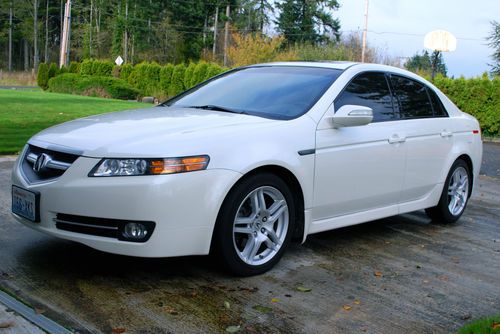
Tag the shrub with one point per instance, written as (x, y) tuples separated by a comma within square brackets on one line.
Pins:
[(53, 70), (102, 68), (125, 71), (177, 82), (152, 80), (199, 73), (100, 86), (86, 67), (116, 71), (257, 48), (165, 79), (74, 67), (188, 75), (42, 78), (146, 78), (213, 70), (479, 97), (63, 70)]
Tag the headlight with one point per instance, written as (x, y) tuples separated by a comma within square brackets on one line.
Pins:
[(135, 167)]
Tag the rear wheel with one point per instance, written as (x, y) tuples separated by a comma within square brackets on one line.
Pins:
[(455, 195), (254, 225)]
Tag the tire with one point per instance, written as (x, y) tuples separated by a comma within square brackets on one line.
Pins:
[(255, 225), (455, 195)]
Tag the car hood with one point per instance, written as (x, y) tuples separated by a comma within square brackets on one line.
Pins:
[(151, 132)]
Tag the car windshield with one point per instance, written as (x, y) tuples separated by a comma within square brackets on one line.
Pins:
[(277, 92)]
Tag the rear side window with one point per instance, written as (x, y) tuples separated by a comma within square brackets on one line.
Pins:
[(411, 97), (369, 90), (437, 105)]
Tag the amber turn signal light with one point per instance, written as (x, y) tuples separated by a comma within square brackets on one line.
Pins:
[(178, 165)]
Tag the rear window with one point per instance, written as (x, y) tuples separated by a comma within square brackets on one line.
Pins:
[(437, 105), (411, 97), (278, 92)]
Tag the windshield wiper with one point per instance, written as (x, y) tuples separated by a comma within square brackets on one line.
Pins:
[(217, 108)]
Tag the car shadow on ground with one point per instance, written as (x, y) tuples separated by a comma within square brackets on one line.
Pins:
[(52, 256)]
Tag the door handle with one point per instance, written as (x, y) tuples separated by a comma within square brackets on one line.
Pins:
[(445, 133), (394, 139)]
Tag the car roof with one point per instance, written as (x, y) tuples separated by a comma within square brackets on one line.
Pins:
[(340, 65), (344, 65)]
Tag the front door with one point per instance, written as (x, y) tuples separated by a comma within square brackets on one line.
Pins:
[(360, 168)]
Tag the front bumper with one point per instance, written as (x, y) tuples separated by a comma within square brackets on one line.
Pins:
[(183, 206)]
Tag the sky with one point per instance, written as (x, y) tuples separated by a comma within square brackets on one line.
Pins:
[(398, 27)]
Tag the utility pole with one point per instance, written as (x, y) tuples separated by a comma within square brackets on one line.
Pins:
[(64, 55), (226, 34), (125, 34), (10, 37), (46, 57), (216, 22), (365, 31)]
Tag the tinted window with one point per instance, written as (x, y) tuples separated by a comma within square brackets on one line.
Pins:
[(281, 92), (412, 98), (369, 90), (437, 105)]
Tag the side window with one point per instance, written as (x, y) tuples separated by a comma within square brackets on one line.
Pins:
[(437, 105), (369, 90), (412, 98)]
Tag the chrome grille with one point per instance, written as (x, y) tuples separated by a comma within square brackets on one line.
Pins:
[(41, 164)]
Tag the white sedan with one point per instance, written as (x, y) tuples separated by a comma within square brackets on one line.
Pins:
[(242, 164)]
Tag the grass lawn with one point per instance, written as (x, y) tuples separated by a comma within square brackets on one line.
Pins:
[(489, 325), (24, 113)]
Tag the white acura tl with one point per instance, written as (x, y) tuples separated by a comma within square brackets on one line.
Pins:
[(245, 162)]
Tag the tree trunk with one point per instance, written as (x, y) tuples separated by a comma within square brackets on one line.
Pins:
[(205, 36), (262, 15), (216, 22), (90, 31), (26, 55), (47, 33), (98, 29), (62, 17), (226, 34), (35, 35), (10, 37)]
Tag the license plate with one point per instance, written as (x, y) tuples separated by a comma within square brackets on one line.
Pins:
[(25, 203)]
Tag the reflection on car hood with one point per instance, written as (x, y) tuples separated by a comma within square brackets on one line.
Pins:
[(146, 132)]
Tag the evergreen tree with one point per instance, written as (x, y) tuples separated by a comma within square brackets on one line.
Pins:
[(308, 20), (423, 63), (42, 78), (494, 42)]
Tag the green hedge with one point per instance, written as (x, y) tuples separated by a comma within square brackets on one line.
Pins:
[(150, 79), (100, 86), (479, 97)]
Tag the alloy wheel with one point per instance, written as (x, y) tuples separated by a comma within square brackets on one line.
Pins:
[(261, 225)]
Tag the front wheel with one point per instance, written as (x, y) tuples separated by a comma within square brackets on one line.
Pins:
[(254, 225), (455, 195)]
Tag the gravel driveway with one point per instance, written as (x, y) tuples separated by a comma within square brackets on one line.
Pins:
[(401, 274)]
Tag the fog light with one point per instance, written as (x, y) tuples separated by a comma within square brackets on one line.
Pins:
[(135, 231)]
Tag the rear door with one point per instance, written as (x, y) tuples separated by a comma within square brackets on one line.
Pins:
[(429, 137), (360, 168)]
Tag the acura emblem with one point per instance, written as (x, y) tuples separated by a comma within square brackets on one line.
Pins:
[(41, 162)]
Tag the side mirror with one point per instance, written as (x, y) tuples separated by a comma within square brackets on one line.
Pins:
[(352, 115)]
